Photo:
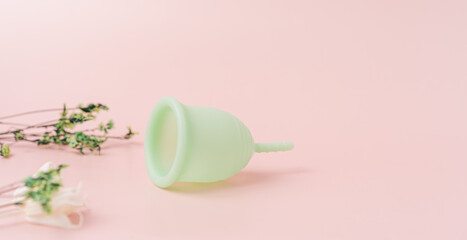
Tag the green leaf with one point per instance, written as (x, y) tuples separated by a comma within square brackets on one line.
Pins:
[(64, 112), (18, 135), (93, 108), (102, 127), (110, 124)]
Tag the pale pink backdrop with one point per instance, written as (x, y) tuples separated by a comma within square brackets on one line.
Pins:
[(373, 93)]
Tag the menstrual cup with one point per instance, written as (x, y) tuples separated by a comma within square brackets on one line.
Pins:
[(198, 144)]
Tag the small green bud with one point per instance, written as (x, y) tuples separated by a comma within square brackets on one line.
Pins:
[(5, 150), (102, 127)]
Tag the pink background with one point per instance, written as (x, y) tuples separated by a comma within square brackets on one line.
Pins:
[(373, 93)]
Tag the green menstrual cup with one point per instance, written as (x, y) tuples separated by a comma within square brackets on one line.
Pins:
[(198, 144)]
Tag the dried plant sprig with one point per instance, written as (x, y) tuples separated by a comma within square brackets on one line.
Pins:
[(62, 133)]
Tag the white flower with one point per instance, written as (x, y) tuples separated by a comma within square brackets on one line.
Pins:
[(64, 203), (19, 192), (44, 168)]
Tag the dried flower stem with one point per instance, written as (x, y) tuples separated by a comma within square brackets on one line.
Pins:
[(11, 203), (60, 134), (11, 212)]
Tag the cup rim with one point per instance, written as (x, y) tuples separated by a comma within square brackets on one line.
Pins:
[(174, 172)]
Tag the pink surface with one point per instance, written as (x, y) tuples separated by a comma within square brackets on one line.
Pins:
[(373, 93)]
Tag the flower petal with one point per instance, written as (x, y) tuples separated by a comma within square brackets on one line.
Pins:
[(44, 168), (57, 220)]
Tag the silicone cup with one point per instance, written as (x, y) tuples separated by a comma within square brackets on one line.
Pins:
[(198, 144)]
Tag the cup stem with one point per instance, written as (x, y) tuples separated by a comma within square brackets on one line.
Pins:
[(273, 147)]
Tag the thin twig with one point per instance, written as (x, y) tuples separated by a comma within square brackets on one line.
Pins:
[(50, 121), (11, 184), (36, 111), (9, 189), (38, 135), (29, 127), (37, 125), (12, 123), (13, 202)]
